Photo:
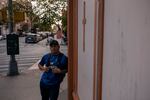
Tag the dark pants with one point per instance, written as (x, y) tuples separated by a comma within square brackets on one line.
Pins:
[(49, 93)]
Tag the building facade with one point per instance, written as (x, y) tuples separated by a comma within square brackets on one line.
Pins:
[(2, 26), (20, 12), (110, 55)]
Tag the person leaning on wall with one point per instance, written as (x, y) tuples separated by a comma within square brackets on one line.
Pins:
[(54, 67)]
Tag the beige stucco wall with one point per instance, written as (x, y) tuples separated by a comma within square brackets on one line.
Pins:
[(126, 68), (85, 59)]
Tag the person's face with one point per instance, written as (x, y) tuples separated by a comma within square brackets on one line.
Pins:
[(54, 49)]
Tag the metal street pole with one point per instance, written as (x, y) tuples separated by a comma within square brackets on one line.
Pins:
[(13, 68)]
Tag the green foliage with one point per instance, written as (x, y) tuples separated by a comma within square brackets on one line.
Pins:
[(64, 23), (49, 12)]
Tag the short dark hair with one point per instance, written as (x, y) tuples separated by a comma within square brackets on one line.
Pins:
[(53, 42)]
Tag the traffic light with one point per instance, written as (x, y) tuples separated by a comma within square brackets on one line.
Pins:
[(12, 44)]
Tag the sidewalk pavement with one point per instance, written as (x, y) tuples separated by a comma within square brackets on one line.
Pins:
[(26, 86)]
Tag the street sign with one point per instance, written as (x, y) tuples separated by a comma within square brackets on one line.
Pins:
[(12, 44), (19, 16)]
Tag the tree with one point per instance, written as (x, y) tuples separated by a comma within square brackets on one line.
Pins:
[(49, 12), (64, 21)]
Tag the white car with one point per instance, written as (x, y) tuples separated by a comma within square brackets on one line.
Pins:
[(1, 37)]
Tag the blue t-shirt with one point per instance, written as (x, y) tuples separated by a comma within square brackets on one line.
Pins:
[(59, 60)]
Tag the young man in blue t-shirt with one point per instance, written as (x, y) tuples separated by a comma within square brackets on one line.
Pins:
[(54, 67)]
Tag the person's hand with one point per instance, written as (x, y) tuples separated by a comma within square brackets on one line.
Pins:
[(43, 68), (56, 70), (46, 69)]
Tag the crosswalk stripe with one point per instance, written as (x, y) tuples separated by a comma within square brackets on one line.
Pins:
[(19, 65)]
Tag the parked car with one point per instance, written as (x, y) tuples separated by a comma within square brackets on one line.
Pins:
[(65, 40), (1, 37), (42, 34), (32, 38), (48, 34), (49, 39), (4, 36)]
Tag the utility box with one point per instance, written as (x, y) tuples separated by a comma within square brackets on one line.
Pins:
[(12, 44)]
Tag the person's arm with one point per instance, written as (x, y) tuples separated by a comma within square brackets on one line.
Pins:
[(63, 69), (42, 68), (59, 71), (56, 70), (42, 63)]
